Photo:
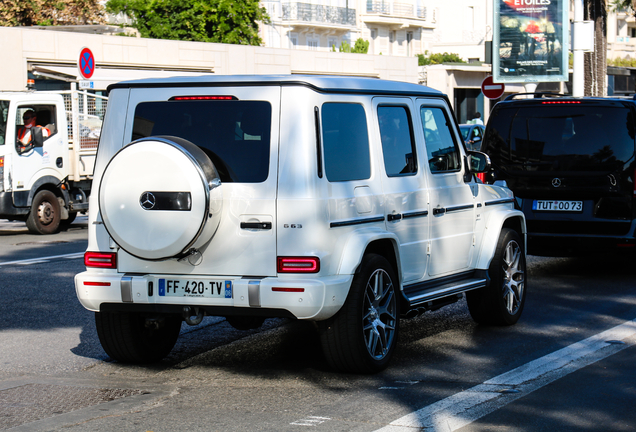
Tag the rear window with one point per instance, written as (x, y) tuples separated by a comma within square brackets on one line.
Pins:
[(561, 137), (234, 134)]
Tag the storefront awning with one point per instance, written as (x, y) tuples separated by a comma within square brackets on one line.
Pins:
[(104, 76)]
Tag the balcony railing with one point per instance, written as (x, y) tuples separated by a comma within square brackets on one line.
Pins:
[(382, 7), (313, 13)]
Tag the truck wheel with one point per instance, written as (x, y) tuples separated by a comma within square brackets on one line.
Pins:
[(362, 336), (44, 217), (502, 301), (131, 338)]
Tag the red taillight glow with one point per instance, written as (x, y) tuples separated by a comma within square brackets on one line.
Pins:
[(199, 98), (90, 283), (289, 290), (1, 161), (482, 177), (560, 102), (100, 259), (298, 264)]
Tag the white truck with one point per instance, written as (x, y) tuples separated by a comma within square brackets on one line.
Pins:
[(47, 183)]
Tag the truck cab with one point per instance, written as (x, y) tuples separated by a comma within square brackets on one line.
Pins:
[(45, 181)]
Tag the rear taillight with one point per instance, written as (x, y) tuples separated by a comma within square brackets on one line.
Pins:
[(100, 259), (482, 177), (203, 97), (298, 264)]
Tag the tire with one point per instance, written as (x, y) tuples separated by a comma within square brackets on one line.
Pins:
[(502, 301), (44, 217), (126, 338), (362, 336)]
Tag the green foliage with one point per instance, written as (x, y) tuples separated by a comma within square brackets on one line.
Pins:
[(622, 62), (431, 59), (221, 21), (623, 5), (50, 12), (345, 47), (361, 46)]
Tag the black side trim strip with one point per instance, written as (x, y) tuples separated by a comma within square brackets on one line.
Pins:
[(500, 201), (318, 142), (415, 214), (459, 207), (356, 222)]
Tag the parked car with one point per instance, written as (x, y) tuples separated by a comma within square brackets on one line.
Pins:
[(570, 163), (345, 201), (472, 134)]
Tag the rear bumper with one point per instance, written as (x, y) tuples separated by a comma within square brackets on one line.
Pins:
[(320, 299)]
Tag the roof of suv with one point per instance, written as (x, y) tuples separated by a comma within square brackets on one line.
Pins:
[(327, 84), (556, 98)]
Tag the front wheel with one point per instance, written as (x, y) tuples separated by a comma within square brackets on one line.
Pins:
[(44, 217), (362, 336), (133, 338), (502, 301)]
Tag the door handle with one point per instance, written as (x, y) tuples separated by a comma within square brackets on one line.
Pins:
[(393, 216), (439, 210), (256, 225)]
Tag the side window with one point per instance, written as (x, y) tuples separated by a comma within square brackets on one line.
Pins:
[(39, 115), (345, 142), (443, 154), (398, 146)]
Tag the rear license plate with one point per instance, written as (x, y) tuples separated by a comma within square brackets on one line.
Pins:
[(551, 205), (208, 288)]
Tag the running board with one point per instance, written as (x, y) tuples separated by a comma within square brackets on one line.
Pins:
[(419, 294)]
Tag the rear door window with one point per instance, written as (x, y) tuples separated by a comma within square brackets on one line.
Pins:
[(398, 145), (234, 134), (346, 142)]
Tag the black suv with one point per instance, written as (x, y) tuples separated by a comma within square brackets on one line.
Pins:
[(570, 163)]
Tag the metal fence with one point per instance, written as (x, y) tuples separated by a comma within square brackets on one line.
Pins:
[(308, 12), (89, 110)]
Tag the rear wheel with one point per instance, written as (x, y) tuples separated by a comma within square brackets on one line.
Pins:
[(362, 336), (132, 338), (44, 217), (501, 302)]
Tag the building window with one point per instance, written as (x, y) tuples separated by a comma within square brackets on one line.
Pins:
[(312, 43), (293, 40)]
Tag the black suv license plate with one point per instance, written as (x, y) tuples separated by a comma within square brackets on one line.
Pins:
[(562, 206)]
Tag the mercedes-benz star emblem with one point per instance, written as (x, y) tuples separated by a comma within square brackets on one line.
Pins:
[(147, 201), (556, 182)]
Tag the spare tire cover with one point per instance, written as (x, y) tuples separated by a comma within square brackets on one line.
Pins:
[(160, 197)]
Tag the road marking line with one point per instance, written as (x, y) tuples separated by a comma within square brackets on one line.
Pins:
[(463, 408), (43, 259), (311, 421)]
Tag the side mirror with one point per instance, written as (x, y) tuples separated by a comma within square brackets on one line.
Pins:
[(37, 140), (478, 162)]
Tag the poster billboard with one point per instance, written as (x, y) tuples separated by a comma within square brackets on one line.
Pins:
[(530, 40)]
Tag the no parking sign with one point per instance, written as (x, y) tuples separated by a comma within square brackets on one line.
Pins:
[(86, 63)]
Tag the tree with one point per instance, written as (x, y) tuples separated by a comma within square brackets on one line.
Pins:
[(221, 21), (621, 5), (50, 12), (595, 62), (437, 58)]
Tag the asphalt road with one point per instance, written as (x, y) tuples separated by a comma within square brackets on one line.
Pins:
[(549, 372)]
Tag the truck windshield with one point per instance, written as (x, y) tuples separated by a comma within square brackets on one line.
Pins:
[(563, 137), (4, 113)]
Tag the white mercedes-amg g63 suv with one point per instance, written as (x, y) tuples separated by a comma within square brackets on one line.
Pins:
[(351, 202)]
